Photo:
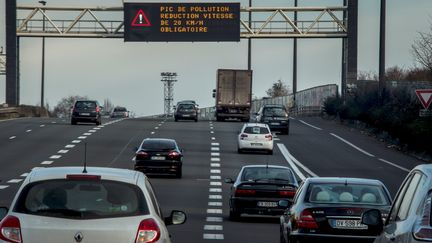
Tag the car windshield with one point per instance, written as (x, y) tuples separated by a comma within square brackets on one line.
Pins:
[(264, 174), (85, 199), (256, 130), (346, 194), (275, 111), (85, 105), (158, 145)]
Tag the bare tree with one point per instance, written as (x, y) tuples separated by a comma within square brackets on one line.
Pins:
[(364, 75), (63, 108), (422, 50), (278, 89)]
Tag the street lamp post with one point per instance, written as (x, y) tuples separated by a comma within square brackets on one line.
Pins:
[(43, 59)]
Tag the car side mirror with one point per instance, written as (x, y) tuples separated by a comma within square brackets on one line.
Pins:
[(3, 212), (229, 181), (176, 217), (373, 218)]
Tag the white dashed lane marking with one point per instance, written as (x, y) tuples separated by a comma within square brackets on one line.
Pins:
[(213, 227), (215, 144), (87, 134), (215, 171), (152, 133), (215, 204), (215, 177), (352, 145), (70, 146), (215, 190), (215, 196), (214, 211), (24, 175), (29, 130), (63, 151), (215, 149), (47, 162), (215, 154), (76, 141), (214, 219), (213, 236), (92, 130), (215, 159), (215, 165), (3, 187), (42, 125), (13, 137), (55, 157), (82, 137), (15, 180), (215, 183)]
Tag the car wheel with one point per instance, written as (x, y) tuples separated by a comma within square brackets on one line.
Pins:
[(234, 215), (286, 132), (270, 152), (196, 120), (239, 150), (218, 118), (179, 174), (281, 236), (73, 122)]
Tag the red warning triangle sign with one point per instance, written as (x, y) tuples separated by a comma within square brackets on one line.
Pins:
[(140, 19), (425, 96)]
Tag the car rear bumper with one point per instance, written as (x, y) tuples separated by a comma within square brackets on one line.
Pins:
[(159, 167), (186, 117), (329, 238), (250, 206), (278, 127), (85, 118), (251, 145)]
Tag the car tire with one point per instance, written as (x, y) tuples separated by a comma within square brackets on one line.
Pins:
[(281, 236), (239, 150), (218, 118), (73, 122), (179, 174), (234, 215), (196, 119), (270, 152)]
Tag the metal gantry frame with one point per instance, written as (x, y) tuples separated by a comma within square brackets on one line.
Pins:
[(93, 22)]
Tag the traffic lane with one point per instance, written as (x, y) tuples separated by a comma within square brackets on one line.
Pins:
[(111, 146), (327, 156), (16, 128), (249, 228), (362, 140), (190, 193), (22, 154)]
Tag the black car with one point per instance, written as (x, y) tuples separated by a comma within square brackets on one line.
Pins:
[(86, 111), (159, 156), (186, 111), (330, 209), (275, 116), (258, 189), (119, 112)]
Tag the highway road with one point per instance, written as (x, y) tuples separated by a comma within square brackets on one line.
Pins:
[(315, 147)]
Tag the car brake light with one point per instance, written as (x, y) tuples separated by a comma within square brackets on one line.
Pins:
[(422, 228), (84, 177), (10, 228), (173, 154), (141, 155), (243, 192), (287, 193), (306, 220), (148, 231), (269, 137), (97, 109)]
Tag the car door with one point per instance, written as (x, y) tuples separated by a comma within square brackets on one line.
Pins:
[(400, 221)]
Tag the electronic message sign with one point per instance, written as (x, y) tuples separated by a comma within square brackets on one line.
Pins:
[(181, 21)]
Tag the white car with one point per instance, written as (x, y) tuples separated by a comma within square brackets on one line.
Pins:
[(255, 136), (97, 205)]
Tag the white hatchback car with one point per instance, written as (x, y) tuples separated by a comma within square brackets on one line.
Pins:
[(255, 136), (97, 205)]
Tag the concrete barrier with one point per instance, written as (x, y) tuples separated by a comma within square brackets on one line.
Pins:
[(22, 111)]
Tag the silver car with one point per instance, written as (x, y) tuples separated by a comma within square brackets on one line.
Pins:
[(72, 204), (410, 218)]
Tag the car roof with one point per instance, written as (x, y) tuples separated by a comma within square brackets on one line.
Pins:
[(425, 168), (264, 166), (343, 180), (160, 139), (255, 125), (106, 173)]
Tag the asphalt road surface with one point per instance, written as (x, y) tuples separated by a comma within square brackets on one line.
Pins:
[(315, 147)]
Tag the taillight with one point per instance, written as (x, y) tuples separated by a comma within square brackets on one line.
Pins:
[(306, 220), (10, 229), (83, 177), (141, 155), (148, 231), (287, 193), (269, 137), (242, 136), (243, 192), (422, 228), (97, 109), (173, 155)]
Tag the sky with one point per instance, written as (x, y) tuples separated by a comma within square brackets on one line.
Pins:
[(128, 74)]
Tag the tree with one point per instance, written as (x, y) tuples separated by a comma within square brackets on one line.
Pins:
[(63, 107), (422, 50), (278, 89)]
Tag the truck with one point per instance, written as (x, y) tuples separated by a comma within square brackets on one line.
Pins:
[(233, 94)]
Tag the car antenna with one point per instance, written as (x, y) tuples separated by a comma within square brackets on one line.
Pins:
[(346, 182), (85, 158)]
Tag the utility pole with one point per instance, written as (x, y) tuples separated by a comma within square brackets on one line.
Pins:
[(168, 79), (295, 56), (250, 39), (43, 59), (382, 45)]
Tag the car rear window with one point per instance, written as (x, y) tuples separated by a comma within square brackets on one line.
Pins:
[(79, 199), (186, 107), (158, 145), (346, 194), (120, 109), (256, 130), (268, 174), (275, 111), (85, 105)]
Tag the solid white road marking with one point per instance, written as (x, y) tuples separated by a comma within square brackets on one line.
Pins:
[(215, 204), (215, 183), (213, 227), (395, 165), (69, 146), (215, 196), (76, 141), (3, 187), (293, 161), (215, 177), (214, 211), (215, 159), (15, 180), (63, 151), (216, 154), (307, 124), (13, 137), (208, 219), (24, 175), (213, 236), (47, 162), (55, 157), (352, 145), (215, 190)]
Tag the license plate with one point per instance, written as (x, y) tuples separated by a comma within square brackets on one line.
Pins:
[(349, 224), (275, 123), (186, 115), (85, 114), (267, 204), (256, 144), (158, 158)]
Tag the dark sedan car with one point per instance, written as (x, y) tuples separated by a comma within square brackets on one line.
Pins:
[(330, 209), (159, 156), (258, 189)]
